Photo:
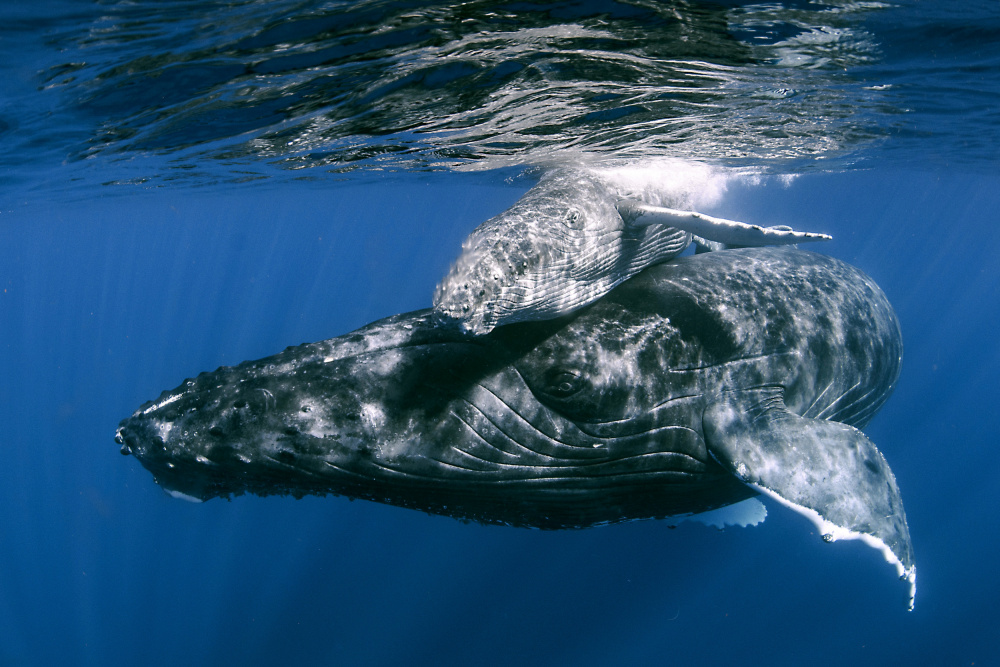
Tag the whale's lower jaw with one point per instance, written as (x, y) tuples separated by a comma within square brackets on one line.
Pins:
[(549, 506), (551, 499)]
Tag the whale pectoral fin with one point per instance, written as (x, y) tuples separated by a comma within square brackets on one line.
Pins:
[(704, 245), (729, 232), (825, 470)]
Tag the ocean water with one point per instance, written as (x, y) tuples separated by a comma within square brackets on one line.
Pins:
[(185, 185)]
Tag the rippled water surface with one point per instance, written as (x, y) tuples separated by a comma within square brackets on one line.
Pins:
[(239, 90)]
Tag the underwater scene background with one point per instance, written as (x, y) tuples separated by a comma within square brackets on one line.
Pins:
[(185, 185)]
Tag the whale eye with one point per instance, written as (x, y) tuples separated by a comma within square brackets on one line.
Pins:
[(562, 383)]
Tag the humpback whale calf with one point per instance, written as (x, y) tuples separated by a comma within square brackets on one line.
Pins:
[(695, 385), (567, 242)]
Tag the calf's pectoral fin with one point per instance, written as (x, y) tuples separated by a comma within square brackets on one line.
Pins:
[(704, 245), (727, 232), (825, 470)]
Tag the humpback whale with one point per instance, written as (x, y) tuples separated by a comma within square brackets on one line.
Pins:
[(695, 385), (567, 242)]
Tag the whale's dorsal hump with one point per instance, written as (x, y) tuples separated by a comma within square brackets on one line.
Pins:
[(825, 470)]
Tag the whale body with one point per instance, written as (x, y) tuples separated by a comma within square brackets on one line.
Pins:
[(696, 385), (570, 240)]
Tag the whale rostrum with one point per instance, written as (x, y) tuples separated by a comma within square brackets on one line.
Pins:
[(695, 385)]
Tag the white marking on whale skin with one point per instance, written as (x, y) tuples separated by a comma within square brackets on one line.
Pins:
[(831, 532), (746, 513), (167, 401), (311, 420), (183, 496), (386, 363), (372, 416), (163, 429), (377, 338)]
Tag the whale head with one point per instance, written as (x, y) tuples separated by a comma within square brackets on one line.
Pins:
[(561, 246)]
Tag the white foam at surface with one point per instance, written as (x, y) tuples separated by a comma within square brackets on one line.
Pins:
[(672, 182)]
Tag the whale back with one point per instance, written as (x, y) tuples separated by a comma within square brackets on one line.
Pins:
[(817, 327)]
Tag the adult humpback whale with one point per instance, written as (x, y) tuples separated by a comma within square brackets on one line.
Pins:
[(695, 385), (567, 242)]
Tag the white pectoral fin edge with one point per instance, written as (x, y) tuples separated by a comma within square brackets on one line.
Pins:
[(831, 532), (730, 232), (828, 471)]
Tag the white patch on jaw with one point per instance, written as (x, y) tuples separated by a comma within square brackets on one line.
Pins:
[(831, 532), (183, 496)]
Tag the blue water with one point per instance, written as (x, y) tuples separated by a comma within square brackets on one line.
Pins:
[(127, 265)]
